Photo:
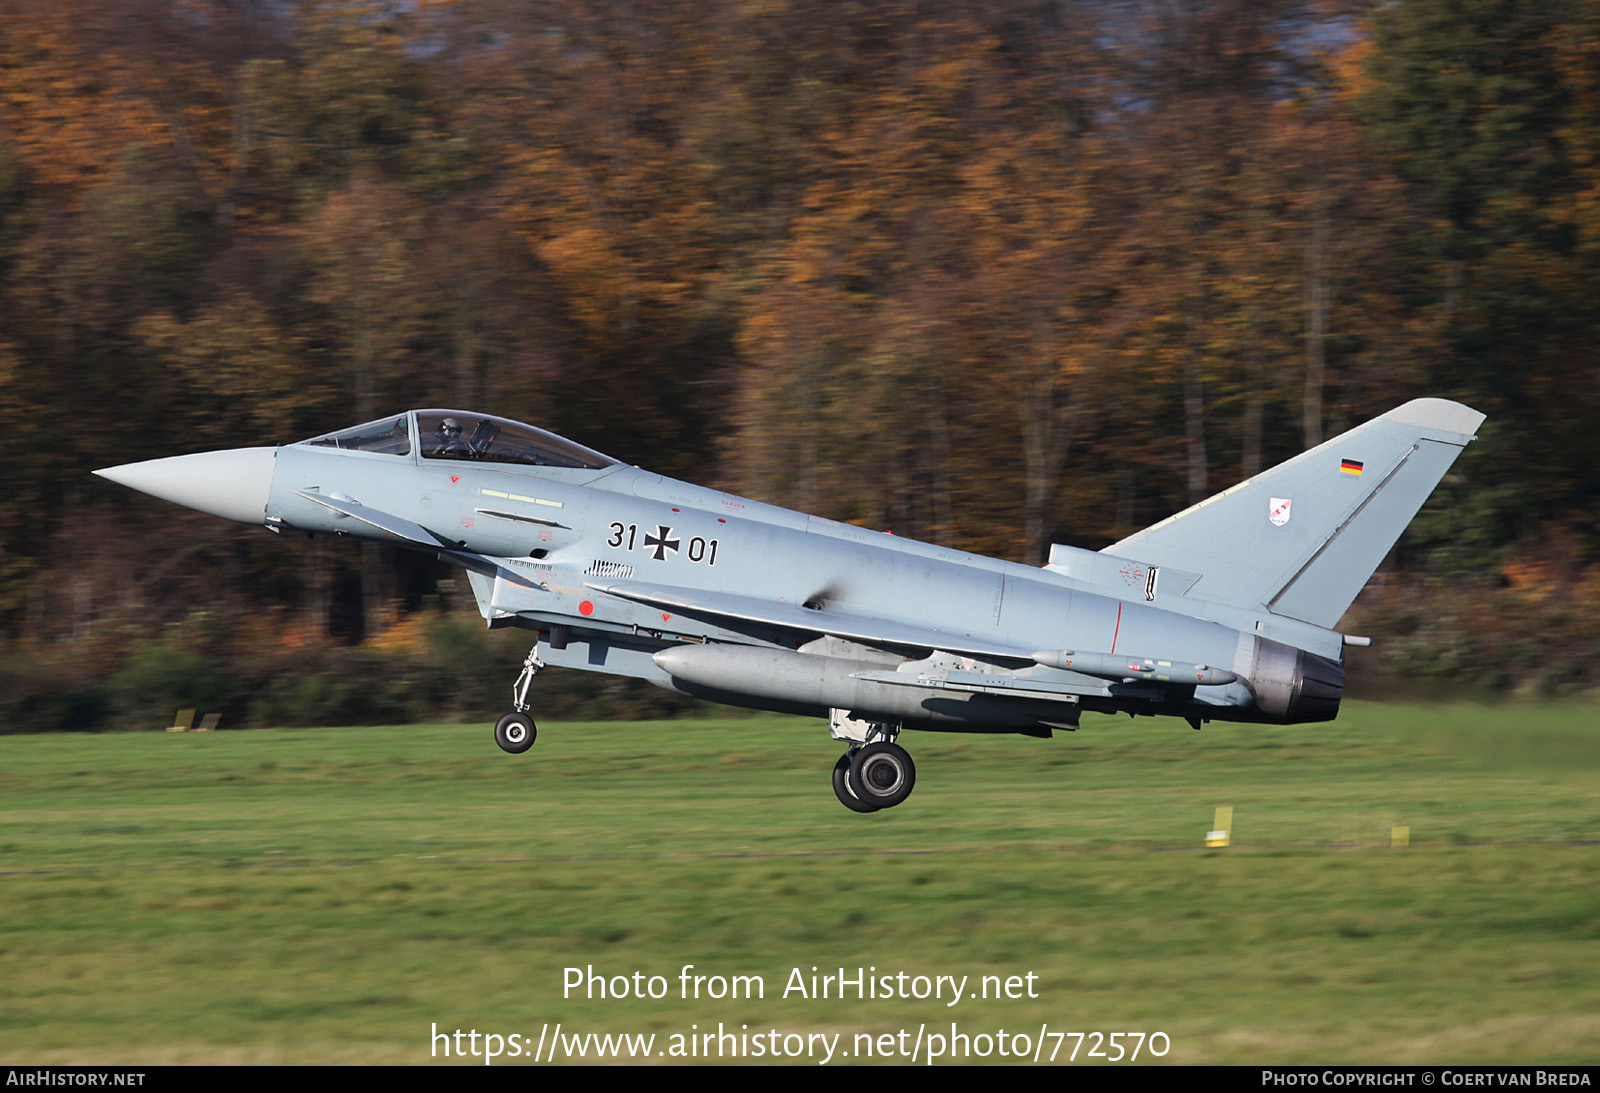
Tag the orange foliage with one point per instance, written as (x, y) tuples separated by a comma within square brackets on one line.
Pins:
[(80, 81), (402, 636), (1534, 581)]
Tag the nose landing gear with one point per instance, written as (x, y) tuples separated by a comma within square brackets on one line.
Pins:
[(516, 732)]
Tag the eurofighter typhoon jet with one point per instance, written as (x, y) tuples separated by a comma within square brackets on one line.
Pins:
[(1223, 612)]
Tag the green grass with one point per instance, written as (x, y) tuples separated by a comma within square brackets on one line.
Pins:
[(328, 895)]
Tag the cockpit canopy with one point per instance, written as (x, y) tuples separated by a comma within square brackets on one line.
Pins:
[(465, 435), (391, 436)]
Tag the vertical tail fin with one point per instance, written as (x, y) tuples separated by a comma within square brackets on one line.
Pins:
[(1302, 539)]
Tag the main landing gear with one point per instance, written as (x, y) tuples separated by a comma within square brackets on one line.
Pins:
[(516, 732), (876, 772)]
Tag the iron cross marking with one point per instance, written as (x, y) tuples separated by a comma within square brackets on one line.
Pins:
[(661, 543)]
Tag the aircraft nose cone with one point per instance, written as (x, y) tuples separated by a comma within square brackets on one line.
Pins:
[(234, 484)]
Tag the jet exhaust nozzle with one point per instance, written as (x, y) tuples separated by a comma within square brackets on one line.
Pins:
[(1294, 686)]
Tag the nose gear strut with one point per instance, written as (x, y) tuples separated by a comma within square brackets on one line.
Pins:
[(516, 732)]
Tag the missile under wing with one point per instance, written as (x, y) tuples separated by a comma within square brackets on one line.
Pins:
[(1223, 612)]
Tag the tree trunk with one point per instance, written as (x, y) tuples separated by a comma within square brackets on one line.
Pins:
[(1318, 298)]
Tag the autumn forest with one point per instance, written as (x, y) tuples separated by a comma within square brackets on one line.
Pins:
[(993, 274)]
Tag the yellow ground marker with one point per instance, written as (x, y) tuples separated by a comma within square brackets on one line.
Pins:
[(1400, 835), (1221, 825)]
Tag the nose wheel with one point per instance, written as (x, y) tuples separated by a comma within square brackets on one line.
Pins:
[(515, 733)]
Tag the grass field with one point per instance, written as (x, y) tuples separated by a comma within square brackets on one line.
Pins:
[(330, 895)]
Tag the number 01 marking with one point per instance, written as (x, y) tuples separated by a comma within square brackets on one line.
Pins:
[(703, 550)]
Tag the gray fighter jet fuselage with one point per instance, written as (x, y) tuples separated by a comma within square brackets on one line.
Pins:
[(1225, 611)]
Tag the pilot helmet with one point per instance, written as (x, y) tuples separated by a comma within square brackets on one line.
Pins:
[(449, 427)]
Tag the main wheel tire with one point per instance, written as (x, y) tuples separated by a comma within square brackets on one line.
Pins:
[(882, 774), (515, 733), (841, 787)]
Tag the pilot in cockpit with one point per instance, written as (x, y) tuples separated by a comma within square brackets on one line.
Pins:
[(450, 442)]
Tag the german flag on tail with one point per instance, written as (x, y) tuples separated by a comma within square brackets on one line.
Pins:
[(1350, 466)]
